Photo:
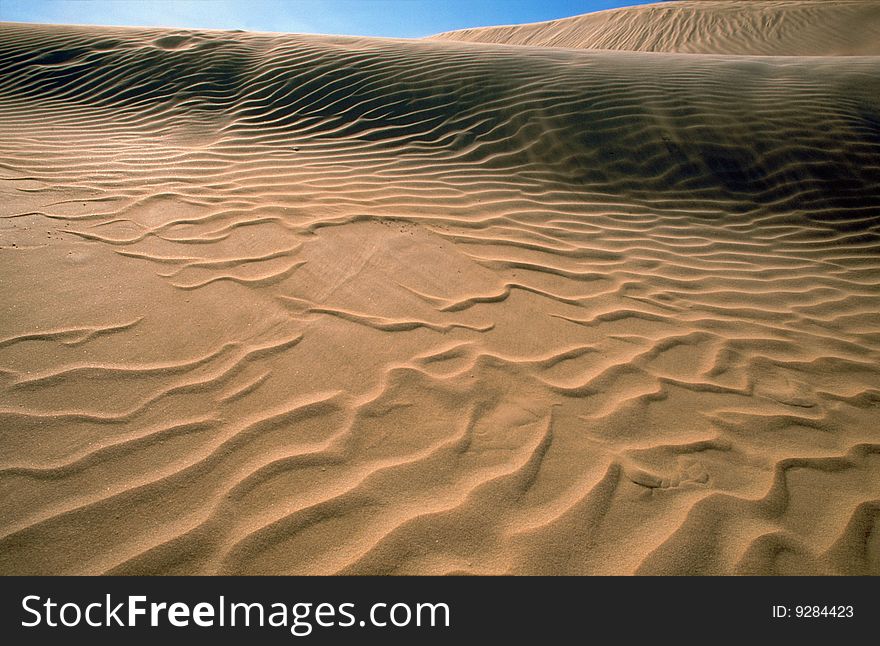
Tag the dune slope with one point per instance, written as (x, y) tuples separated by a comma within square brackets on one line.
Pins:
[(747, 27), (304, 304)]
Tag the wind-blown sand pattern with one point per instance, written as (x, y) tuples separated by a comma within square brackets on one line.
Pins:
[(749, 27), (309, 304)]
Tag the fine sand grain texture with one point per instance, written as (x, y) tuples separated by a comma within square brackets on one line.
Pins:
[(307, 304)]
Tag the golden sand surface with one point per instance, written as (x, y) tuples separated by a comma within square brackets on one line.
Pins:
[(596, 296)]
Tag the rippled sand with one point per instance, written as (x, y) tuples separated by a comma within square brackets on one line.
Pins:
[(310, 304)]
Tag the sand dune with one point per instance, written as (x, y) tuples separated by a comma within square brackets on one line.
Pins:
[(309, 304), (747, 27)]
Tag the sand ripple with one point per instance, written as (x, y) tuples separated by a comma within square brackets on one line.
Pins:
[(304, 304)]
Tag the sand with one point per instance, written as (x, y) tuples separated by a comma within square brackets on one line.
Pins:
[(285, 304), (745, 27)]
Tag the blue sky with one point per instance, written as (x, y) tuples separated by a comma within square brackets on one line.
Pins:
[(393, 18)]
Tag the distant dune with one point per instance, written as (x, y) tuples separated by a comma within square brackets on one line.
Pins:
[(307, 304), (749, 27)]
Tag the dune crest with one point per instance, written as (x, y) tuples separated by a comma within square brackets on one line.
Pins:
[(309, 304), (742, 27)]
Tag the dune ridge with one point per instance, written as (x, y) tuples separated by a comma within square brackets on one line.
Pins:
[(733, 27), (310, 304)]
